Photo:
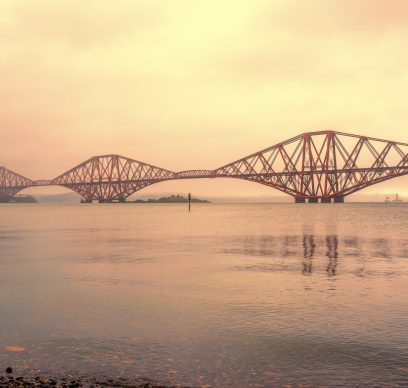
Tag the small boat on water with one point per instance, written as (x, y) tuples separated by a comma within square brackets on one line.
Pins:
[(396, 199)]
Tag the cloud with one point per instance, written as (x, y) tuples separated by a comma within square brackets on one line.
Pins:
[(84, 25), (184, 83), (332, 17)]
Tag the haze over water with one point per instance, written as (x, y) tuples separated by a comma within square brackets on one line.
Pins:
[(227, 295)]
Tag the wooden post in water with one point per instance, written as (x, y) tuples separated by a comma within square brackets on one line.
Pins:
[(189, 201)]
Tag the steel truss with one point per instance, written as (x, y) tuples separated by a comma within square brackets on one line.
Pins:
[(324, 165)]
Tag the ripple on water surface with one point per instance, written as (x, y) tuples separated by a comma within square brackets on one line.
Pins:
[(227, 295)]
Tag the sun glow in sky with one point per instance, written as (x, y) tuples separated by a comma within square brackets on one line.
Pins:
[(195, 84)]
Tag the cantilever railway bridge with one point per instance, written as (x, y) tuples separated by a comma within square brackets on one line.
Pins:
[(324, 165)]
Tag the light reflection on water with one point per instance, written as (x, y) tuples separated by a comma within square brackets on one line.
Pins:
[(229, 295)]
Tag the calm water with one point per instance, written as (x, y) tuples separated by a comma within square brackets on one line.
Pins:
[(227, 295)]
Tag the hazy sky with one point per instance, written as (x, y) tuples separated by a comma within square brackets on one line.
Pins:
[(195, 84)]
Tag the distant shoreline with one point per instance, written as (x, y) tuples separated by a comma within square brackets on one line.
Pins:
[(23, 199), (171, 199)]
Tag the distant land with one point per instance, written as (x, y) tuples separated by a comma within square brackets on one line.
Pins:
[(23, 199), (71, 197), (171, 199)]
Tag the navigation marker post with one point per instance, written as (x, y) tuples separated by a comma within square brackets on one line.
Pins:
[(189, 201)]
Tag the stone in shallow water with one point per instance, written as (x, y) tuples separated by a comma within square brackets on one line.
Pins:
[(13, 348), (88, 382)]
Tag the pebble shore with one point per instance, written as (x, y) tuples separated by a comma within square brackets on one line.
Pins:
[(38, 382)]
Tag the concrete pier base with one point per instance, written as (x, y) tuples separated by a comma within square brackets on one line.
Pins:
[(338, 199), (121, 200)]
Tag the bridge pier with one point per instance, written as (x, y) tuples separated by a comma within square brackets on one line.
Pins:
[(338, 199), (326, 200), (103, 200), (4, 197)]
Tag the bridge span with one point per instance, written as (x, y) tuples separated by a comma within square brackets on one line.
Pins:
[(318, 166)]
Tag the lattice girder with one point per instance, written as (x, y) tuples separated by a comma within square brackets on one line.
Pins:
[(319, 165), (111, 177), (11, 183), (313, 165)]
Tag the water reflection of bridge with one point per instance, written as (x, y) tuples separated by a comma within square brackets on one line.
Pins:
[(312, 252), (309, 247)]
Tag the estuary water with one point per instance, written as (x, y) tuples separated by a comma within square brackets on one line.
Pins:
[(227, 295)]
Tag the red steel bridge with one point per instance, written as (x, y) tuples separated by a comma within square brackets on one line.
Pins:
[(324, 165)]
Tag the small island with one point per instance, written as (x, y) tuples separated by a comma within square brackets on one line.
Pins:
[(23, 199), (171, 199)]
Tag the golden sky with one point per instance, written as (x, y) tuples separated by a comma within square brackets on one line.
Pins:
[(195, 84)]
